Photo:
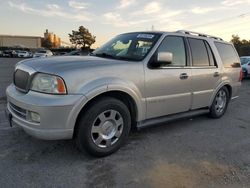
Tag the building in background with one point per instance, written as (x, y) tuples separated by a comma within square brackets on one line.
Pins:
[(21, 41), (31, 42), (52, 38)]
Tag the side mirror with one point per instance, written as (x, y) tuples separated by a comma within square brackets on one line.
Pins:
[(164, 58)]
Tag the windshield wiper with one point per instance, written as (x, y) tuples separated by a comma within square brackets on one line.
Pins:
[(125, 58), (114, 57), (105, 55)]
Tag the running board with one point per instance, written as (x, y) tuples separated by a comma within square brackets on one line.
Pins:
[(236, 97), (169, 118)]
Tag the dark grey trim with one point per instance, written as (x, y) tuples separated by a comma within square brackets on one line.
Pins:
[(169, 118)]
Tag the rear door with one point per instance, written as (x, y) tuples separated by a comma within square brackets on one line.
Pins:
[(205, 72)]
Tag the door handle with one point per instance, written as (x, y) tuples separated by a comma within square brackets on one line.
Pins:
[(216, 74), (183, 76)]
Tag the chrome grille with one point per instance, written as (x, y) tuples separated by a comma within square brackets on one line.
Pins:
[(21, 80), (20, 112)]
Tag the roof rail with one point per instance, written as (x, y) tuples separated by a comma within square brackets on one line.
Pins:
[(198, 34)]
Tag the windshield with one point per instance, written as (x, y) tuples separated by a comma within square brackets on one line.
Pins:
[(244, 60), (130, 46)]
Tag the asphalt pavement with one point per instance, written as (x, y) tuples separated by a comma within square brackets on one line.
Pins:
[(7, 66), (198, 152)]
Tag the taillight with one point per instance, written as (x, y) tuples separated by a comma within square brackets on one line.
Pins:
[(241, 75)]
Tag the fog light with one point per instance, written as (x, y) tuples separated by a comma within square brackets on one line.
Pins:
[(35, 117)]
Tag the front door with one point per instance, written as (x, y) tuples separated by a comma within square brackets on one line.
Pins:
[(168, 88)]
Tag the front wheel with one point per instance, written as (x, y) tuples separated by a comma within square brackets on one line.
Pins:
[(104, 127), (220, 103)]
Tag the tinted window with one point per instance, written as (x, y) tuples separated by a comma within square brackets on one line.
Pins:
[(176, 46), (199, 52), (210, 55), (228, 55)]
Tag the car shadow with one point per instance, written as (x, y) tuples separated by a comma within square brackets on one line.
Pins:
[(22, 148)]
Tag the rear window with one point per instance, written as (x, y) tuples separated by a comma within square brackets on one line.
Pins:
[(228, 55)]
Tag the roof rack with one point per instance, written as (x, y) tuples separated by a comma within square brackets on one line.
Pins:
[(198, 34)]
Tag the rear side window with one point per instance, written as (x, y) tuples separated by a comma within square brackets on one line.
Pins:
[(199, 52), (228, 55), (212, 61)]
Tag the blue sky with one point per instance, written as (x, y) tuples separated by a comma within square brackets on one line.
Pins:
[(106, 18)]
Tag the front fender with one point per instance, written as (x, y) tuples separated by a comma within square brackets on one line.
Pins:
[(132, 90), (97, 87)]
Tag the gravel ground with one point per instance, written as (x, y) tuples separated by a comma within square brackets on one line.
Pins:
[(198, 152)]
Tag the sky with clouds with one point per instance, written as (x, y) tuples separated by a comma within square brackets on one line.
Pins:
[(106, 18)]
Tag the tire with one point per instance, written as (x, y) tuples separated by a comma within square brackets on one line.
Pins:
[(104, 127), (220, 103)]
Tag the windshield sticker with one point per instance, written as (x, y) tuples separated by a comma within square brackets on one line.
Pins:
[(145, 36)]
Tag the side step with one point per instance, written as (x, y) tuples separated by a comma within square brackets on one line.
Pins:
[(170, 118)]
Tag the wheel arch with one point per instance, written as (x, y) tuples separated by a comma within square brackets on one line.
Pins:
[(123, 96), (229, 88)]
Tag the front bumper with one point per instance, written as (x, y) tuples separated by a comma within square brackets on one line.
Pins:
[(58, 113)]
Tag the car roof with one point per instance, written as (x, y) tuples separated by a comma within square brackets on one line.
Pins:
[(186, 33)]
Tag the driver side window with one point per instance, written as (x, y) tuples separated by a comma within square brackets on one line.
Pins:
[(176, 46)]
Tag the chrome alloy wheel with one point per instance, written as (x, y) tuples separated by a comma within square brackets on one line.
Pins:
[(220, 101), (107, 128)]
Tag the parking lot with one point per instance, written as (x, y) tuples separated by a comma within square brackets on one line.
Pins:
[(198, 152), (6, 71)]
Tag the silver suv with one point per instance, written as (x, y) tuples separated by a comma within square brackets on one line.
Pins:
[(135, 80)]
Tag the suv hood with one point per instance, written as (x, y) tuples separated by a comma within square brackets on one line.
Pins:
[(65, 63)]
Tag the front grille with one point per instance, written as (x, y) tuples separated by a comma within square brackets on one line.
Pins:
[(20, 112), (21, 80)]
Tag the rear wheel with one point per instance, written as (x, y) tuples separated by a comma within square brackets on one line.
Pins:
[(104, 127), (220, 103)]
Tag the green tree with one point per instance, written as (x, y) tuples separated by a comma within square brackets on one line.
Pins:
[(46, 43), (82, 38), (236, 40), (242, 46)]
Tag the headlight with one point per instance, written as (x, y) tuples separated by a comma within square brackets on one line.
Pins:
[(46, 83)]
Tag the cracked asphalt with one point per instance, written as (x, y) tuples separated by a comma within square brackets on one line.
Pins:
[(198, 152)]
